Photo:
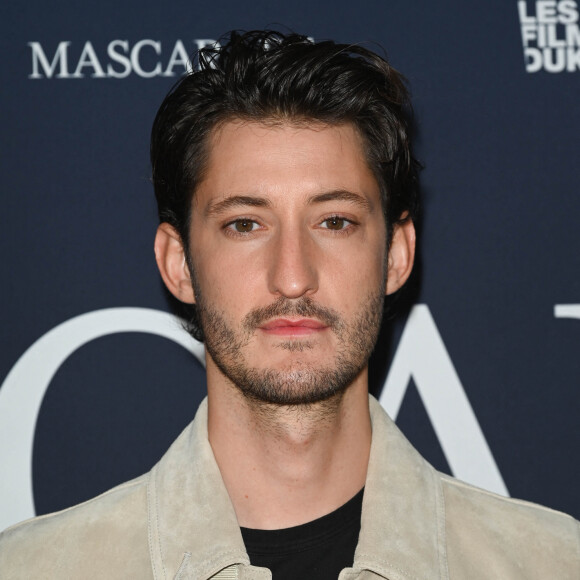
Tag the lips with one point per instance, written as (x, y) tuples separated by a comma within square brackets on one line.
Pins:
[(293, 327)]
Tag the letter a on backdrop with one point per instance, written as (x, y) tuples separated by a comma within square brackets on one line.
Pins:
[(422, 356)]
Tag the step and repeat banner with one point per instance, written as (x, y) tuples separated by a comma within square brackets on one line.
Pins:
[(480, 368)]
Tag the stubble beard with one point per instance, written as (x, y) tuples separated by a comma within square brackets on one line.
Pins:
[(301, 383)]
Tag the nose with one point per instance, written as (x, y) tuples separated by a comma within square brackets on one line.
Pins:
[(293, 270)]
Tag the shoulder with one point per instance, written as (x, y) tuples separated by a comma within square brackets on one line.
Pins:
[(103, 537), (492, 536)]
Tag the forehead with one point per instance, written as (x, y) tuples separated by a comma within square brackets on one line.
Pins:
[(286, 159)]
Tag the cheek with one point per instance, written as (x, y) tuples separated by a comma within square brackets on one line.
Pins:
[(359, 267), (228, 284), (350, 285)]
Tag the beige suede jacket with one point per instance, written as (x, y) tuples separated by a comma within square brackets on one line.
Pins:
[(177, 522)]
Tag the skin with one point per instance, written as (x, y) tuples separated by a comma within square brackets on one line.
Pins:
[(288, 247)]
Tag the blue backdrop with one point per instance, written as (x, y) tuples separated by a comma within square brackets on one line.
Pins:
[(489, 380)]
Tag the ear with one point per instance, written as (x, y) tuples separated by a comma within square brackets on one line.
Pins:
[(401, 255), (172, 264)]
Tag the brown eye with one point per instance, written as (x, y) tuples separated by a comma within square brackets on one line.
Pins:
[(243, 226), (335, 223)]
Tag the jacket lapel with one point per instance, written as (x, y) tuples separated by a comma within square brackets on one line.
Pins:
[(403, 517), (193, 530), (190, 511)]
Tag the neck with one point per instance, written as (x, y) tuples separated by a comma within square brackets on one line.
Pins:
[(284, 466)]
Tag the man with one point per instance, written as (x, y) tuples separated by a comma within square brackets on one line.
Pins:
[(287, 190)]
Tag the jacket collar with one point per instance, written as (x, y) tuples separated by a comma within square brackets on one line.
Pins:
[(403, 516), (190, 511), (193, 530)]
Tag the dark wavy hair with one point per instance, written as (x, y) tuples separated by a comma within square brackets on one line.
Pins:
[(270, 76)]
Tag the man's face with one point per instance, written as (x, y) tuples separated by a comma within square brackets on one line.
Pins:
[(288, 246)]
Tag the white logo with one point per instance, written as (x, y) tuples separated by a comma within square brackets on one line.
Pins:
[(23, 390), (550, 35), (421, 354), (146, 58)]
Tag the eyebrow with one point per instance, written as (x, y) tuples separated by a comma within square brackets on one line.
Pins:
[(342, 195), (217, 208)]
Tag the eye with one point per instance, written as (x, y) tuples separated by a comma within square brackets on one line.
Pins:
[(335, 223), (242, 226)]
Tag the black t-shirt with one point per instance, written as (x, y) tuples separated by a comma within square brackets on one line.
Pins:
[(317, 550)]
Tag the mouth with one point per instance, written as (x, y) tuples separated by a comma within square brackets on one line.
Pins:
[(293, 327)]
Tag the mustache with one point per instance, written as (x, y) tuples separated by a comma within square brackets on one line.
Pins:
[(283, 306)]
